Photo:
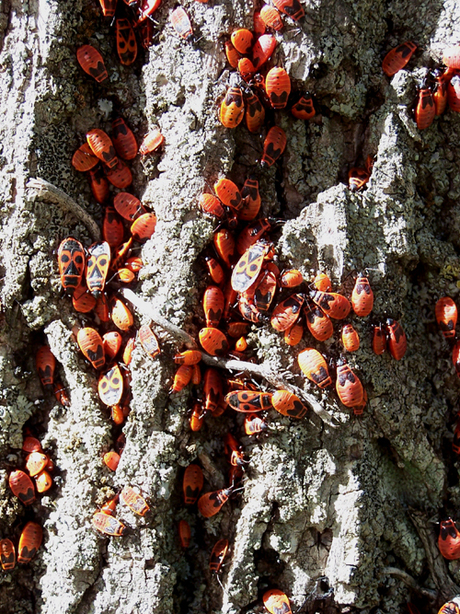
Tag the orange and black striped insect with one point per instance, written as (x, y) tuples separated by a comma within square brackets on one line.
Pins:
[(251, 234), (123, 139), (449, 540), (271, 17), (97, 267), (322, 282), (249, 401), (22, 486), (213, 341), (149, 341), (128, 206), (134, 501), (182, 378), (249, 311), (397, 342), (196, 417), (277, 602), (36, 462), (121, 315), (231, 110), (440, 92), (379, 339), (255, 111), (293, 335), (29, 542), (246, 69), (99, 185), (358, 410), (151, 142), (291, 8), (224, 243), (350, 338), (264, 290), (251, 200), (314, 367), (192, 484), (250, 264), (212, 205), (453, 93), (101, 308), (185, 533), (278, 87), (110, 386), (288, 404), (46, 365), (212, 389), (334, 305), (425, 110), (144, 226), (7, 554), (227, 192), (82, 300), (126, 42), (290, 278), (189, 357), (304, 108), (211, 503), (112, 227), (233, 56), (446, 316), (274, 146), (362, 297), (215, 270), (348, 385), (319, 324), (92, 62), (287, 312), (102, 147), (83, 159), (397, 58), (71, 261), (181, 23), (263, 49), (242, 39), (31, 444), (120, 176), (218, 554), (107, 524)]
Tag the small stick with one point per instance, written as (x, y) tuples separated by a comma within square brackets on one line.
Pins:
[(264, 370), (50, 192), (410, 582)]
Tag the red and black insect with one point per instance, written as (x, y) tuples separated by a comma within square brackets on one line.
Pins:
[(350, 338), (287, 312), (274, 146), (250, 264), (224, 243), (29, 542), (254, 424), (246, 69), (293, 335), (7, 554), (46, 365), (121, 315), (181, 23), (99, 185), (227, 191), (263, 49), (251, 199), (36, 462), (92, 62), (425, 109), (362, 297), (192, 484), (102, 147), (449, 540), (22, 486), (451, 607), (231, 111), (271, 17), (97, 267), (314, 367), (213, 341), (112, 227), (126, 42), (218, 555), (120, 176), (212, 205), (149, 341), (212, 389), (304, 108), (123, 139), (348, 385), (334, 305), (108, 7), (152, 141), (289, 404), (185, 533), (255, 111), (249, 401), (233, 56), (379, 339), (440, 91), (83, 159), (397, 58), (319, 324), (397, 342), (446, 316), (242, 40), (71, 261), (211, 503), (278, 87)]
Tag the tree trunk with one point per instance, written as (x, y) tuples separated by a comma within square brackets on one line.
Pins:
[(337, 513)]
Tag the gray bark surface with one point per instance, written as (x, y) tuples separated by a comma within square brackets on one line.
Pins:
[(347, 508)]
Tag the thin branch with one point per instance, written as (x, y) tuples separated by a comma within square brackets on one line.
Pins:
[(50, 192), (410, 582), (264, 370)]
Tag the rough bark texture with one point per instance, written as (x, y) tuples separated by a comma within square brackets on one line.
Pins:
[(322, 507)]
